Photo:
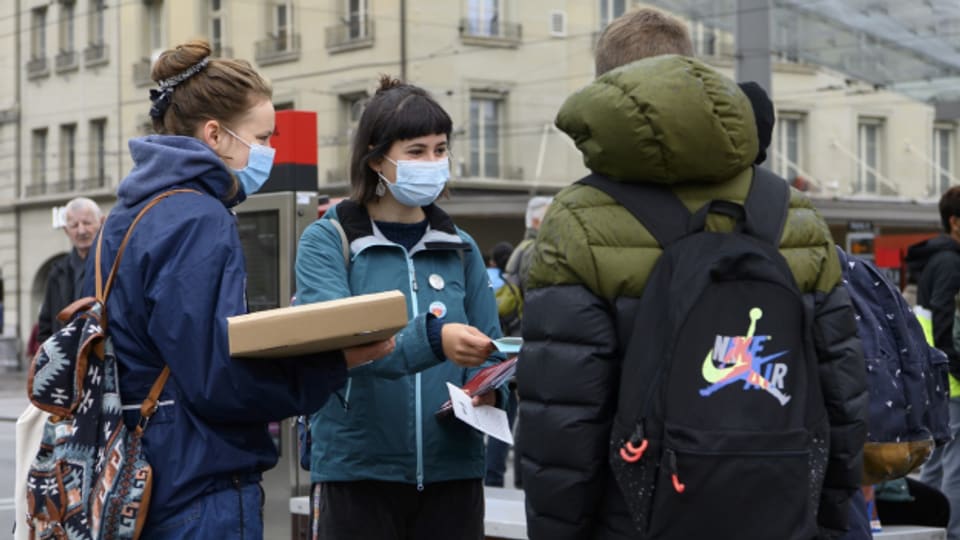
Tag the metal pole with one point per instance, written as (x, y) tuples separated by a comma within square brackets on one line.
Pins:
[(753, 42), (403, 40)]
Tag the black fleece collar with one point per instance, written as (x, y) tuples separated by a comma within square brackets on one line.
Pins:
[(356, 223)]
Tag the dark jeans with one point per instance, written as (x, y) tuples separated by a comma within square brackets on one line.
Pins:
[(233, 513), (375, 510), (498, 450)]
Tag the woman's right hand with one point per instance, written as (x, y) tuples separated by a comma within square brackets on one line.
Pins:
[(364, 354), (464, 345)]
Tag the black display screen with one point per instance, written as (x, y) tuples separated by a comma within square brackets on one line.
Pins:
[(260, 238)]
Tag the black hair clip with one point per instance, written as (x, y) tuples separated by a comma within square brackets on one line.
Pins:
[(161, 101)]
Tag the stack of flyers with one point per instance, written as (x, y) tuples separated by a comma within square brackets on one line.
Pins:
[(485, 380)]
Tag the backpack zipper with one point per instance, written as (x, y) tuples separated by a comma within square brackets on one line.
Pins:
[(674, 473)]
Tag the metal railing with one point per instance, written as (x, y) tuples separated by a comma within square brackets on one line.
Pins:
[(95, 54), (66, 61), (491, 29), (94, 182), (277, 49), (33, 190), (353, 33), (38, 67), (141, 72)]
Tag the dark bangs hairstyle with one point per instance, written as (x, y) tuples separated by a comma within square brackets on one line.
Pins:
[(397, 112)]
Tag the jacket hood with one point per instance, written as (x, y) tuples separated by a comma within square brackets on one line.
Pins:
[(161, 162), (666, 119), (919, 254)]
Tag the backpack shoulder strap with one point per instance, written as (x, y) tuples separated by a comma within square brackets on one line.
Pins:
[(767, 204), (149, 405), (343, 242), (659, 210)]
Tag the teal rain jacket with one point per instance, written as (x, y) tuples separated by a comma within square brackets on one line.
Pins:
[(383, 426)]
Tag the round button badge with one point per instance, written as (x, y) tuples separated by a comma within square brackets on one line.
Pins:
[(436, 281), (439, 309)]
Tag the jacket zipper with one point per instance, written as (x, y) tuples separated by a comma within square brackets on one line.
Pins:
[(412, 274), (346, 394)]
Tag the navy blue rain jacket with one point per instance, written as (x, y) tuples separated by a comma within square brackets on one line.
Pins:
[(181, 276)]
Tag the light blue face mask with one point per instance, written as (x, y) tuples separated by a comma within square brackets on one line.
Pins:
[(255, 174), (419, 183)]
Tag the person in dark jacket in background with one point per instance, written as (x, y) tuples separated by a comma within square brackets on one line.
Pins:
[(181, 276), (592, 259), (82, 219), (936, 265)]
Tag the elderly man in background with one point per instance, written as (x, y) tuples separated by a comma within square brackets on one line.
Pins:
[(82, 222)]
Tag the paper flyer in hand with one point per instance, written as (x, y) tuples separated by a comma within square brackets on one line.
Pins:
[(489, 420), (487, 379)]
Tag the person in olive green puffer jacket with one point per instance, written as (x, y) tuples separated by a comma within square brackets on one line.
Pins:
[(670, 120)]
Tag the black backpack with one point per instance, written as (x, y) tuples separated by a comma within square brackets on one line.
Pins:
[(720, 429)]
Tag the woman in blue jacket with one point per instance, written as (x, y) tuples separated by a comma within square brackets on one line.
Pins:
[(181, 276), (383, 464)]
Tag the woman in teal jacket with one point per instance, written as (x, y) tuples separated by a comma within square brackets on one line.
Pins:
[(383, 464)]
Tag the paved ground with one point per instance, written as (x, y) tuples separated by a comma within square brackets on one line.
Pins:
[(13, 399)]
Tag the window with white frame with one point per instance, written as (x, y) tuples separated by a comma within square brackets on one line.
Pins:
[(788, 40), (154, 18), (39, 161), (215, 26), (357, 14), (96, 22), (38, 42), (483, 17), (351, 107), (704, 38), (869, 154), (610, 10), (98, 150), (283, 25), (68, 156), (788, 145), (485, 135), (944, 137), (67, 12)]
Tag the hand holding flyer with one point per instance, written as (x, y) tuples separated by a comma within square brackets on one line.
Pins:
[(485, 418)]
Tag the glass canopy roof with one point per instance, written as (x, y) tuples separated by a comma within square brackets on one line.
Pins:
[(912, 46)]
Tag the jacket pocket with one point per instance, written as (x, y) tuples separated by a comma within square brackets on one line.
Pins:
[(740, 485)]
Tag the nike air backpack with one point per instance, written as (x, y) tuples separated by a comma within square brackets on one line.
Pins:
[(906, 377), (90, 479), (720, 429)]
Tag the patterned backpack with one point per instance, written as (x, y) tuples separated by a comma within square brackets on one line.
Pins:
[(90, 479)]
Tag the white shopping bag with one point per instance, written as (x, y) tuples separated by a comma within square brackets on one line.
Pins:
[(29, 433)]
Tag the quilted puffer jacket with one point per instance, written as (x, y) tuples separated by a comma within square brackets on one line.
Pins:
[(670, 120)]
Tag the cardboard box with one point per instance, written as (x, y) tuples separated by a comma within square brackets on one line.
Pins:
[(324, 326)]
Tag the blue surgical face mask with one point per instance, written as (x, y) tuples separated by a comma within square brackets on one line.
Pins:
[(419, 183), (255, 174)]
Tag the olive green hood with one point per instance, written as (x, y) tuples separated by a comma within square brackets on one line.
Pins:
[(667, 119)]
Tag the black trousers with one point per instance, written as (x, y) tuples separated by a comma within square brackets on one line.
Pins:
[(377, 510)]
